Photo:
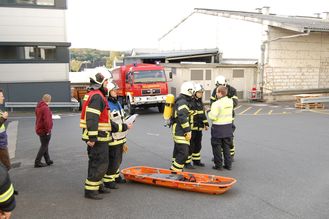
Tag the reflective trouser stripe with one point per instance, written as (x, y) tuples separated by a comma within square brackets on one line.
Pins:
[(232, 149), (177, 167), (117, 142), (108, 178), (196, 156), (181, 140), (90, 185), (189, 159), (117, 174), (5, 196)]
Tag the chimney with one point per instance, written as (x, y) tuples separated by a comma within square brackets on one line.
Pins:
[(326, 15), (266, 10)]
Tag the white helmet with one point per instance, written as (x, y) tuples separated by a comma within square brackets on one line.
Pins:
[(220, 80), (187, 88), (97, 80), (104, 71), (112, 86), (199, 88)]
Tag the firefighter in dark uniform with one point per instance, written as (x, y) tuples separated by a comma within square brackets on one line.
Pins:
[(221, 114), (231, 93), (181, 128), (96, 127), (117, 144), (199, 122), (7, 199)]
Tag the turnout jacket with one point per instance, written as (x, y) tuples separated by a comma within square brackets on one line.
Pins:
[(7, 199), (3, 133), (199, 118), (117, 115), (181, 118), (95, 121)]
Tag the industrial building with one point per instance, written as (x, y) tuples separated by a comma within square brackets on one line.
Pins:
[(293, 51), (34, 52)]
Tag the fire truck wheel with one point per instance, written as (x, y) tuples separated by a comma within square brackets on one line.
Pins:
[(131, 109), (161, 107)]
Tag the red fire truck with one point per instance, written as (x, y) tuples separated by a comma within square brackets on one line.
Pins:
[(141, 85)]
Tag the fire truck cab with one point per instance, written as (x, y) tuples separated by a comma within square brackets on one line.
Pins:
[(141, 85)]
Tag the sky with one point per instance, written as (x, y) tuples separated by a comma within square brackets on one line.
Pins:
[(128, 24)]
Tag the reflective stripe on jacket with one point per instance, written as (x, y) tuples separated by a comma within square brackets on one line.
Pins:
[(94, 118)]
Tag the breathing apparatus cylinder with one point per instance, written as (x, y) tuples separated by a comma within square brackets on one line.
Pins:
[(169, 106)]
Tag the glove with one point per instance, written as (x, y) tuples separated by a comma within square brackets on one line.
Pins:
[(125, 148), (188, 136)]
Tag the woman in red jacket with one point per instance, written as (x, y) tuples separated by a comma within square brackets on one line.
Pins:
[(43, 126)]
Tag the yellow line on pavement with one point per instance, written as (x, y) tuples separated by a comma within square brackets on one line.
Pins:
[(258, 111), (270, 112), (245, 111)]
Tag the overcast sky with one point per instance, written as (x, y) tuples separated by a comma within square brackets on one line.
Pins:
[(127, 24)]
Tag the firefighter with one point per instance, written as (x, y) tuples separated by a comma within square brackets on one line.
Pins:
[(7, 199), (221, 114), (117, 145), (231, 93), (199, 122), (96, 127), (181, 126)]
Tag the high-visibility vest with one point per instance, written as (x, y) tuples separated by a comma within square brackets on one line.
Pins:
[(222, 111), (104, 120)]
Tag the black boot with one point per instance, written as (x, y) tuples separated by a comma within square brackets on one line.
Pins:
[(120, 180), (111, 185), (90, 194), (39, 164), (103, 189), (189, 166), (198, 163), (49, 162)]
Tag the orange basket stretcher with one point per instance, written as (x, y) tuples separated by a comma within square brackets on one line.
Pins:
[(195, 182)]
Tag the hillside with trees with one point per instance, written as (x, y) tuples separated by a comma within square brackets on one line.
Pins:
[(91, 58)]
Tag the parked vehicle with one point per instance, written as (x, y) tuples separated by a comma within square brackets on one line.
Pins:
[(141, 85)]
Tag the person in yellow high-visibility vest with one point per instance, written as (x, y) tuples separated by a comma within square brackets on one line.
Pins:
[(221, 114)]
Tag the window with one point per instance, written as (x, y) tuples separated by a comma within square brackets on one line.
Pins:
[(238, 73), (196, 75), (173, 70), (207, 94), (173, 91), (27, 53), (29, 2), (208, 74)]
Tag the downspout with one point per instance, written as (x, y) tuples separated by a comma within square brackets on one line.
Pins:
[(262, 61)]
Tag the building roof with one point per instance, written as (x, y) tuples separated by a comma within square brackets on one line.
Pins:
[(295, 23), (239, 61), (177, 53)]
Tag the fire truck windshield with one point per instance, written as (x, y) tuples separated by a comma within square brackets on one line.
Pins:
[(149, 76)]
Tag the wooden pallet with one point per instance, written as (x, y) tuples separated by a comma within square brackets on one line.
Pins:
[(300, 105), (309, 105)]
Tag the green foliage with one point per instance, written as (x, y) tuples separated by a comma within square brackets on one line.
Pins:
[(79, 56)]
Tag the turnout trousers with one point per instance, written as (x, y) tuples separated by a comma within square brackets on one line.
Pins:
[(180, 155), (196, 145), (219, 145), (115, 160), (97, 165)]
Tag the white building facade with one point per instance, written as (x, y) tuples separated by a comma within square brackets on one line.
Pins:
[(34, 52)]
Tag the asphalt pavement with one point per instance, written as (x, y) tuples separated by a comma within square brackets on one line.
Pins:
[(281, 167)]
